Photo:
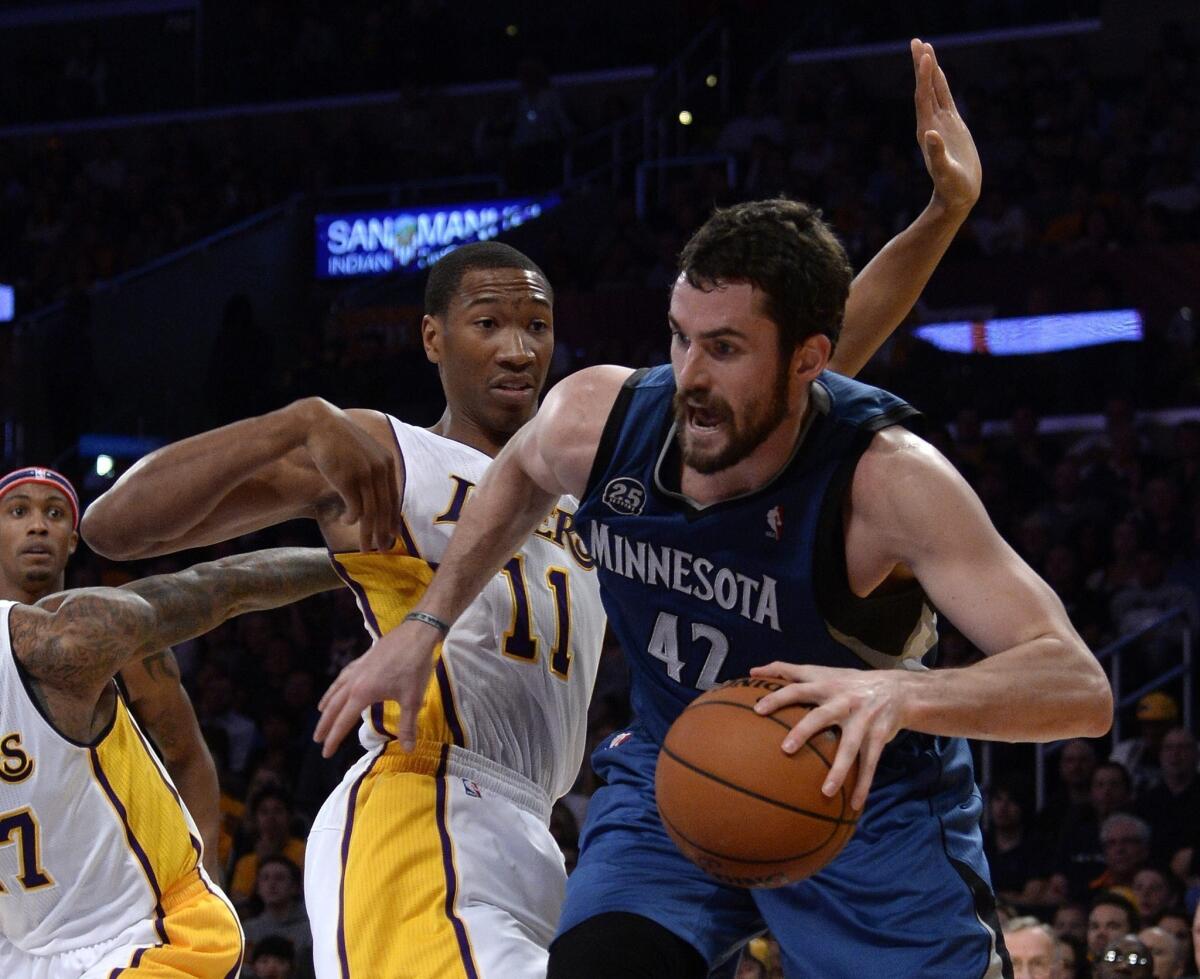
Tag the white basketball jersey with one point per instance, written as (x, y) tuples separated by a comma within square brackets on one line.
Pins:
[(514, 676), (91, 835)]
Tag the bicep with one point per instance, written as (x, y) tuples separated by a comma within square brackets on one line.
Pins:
[(926, 517), (560, 443), (161, 704)]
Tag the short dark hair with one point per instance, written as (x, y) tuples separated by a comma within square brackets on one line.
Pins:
[(783, 248), (1113, 899), (447, 272), (276, 945), (289, 865)]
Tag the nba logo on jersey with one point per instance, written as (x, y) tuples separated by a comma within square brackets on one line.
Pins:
[(472, 789), (775, 523), (624, 495)]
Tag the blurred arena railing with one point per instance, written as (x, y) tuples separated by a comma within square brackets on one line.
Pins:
[(1115, 656)]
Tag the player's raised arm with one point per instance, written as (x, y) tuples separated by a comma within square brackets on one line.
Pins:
[(550, 456), (93, 633), (910, 508), (887, 287), (253, 473)]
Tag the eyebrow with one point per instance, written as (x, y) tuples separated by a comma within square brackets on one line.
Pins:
[(713, 334)]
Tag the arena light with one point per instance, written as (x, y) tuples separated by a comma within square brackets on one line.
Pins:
[(685, 117), (104, 464), (1034, 334), (711, 81), (8, 304)]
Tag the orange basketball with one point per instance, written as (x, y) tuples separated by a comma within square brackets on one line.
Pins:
[(736, 804)]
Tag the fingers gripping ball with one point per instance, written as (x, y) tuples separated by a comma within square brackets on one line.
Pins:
[(736, 804)]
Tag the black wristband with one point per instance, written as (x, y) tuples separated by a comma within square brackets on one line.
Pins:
[(433, 620)]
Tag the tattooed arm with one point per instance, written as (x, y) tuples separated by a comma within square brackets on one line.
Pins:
[(164, 710), (96, 632)]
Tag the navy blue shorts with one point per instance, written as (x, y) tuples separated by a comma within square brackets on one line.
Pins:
[(910, 895)]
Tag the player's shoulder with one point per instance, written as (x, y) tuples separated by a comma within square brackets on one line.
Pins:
[(898, 464), (586, 395), (377, 424)]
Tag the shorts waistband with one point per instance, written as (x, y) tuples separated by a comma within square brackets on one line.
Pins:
[(426, 759)]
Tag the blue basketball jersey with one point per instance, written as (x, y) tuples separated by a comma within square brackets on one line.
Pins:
[(698, 596)]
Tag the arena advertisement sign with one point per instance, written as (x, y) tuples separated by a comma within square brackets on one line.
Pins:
[(7, 303), (1034, 334), (382, 242)]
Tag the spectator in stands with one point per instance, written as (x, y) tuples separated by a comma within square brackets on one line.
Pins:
[(1080, 857), (1172, 808), (1069, 799), (1071, 921), (1149, 598), (1155, 891), (271, 820), (1178, 924), (1019, 862), (1110, 917), (279, 888), (1031, 946), (1127, 956), (1157, 713), (274, 958), (1125, 840), (1165, 951), (1072, 958), (540, 131)]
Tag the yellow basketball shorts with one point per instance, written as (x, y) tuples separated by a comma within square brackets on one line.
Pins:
[(197, 936), (433, 865)]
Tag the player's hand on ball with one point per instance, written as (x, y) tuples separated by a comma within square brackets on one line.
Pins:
[(864, 704), (945, 141), (396, 667), (360, 471)]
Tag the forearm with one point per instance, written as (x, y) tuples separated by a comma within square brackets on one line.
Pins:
[(888, 287), (170, 491), (503, 511), (1042, 690)]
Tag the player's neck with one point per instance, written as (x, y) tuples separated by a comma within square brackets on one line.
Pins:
[(759, 468), (458, 427), (28, 593)]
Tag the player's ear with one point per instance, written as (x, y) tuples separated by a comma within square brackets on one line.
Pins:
[(811, 357), (431, 338), (72, 542)]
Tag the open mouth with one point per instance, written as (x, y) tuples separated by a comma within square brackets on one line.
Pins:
[(704, 419)]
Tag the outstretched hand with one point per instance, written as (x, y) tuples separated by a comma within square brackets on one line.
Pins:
[(945, 141), (396, 667), (864, 704)]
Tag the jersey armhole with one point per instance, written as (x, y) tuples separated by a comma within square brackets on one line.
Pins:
[(612, 430), (882, 621)]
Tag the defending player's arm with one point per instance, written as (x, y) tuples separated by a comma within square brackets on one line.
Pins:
[(299, 461), (163, 709), (909, 508), (95, 632), (887, 287), (550, 456)]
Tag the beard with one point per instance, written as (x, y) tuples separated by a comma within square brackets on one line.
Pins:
[(760, 418)]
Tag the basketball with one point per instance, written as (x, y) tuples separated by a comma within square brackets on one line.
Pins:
[(736, 804)]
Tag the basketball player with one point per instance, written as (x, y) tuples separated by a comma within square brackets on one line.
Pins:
[(99, 859), (438, 860), (750, 512), (39, 524)]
